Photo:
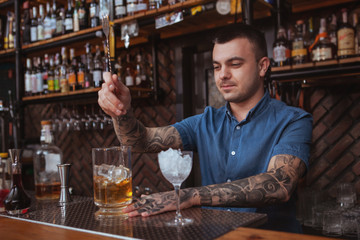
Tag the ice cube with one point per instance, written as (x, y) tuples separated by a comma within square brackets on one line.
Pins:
[(120, 173), (105, 170)]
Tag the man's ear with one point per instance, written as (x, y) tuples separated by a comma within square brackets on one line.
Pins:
[(264, 64)]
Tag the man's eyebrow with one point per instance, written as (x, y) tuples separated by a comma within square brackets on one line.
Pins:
[(230, 60)]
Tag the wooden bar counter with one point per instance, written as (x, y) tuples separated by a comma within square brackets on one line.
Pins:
[(77, 220)]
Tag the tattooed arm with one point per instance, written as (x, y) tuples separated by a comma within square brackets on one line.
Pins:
[(132, 132), (274, 186)]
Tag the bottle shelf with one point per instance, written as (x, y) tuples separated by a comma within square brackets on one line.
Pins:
[(308, 5), (136, 93), (147, 25), (319, 73)]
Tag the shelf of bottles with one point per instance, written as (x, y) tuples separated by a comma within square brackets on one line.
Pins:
[(299, 52)]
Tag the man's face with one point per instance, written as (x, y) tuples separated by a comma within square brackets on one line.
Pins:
[(236, 71)]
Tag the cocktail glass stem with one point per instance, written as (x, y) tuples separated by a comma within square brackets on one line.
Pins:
[(178, 216)]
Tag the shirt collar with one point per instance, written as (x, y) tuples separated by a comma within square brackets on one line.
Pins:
[(255, 111)]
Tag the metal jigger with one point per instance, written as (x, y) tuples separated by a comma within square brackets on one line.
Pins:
[(64, 171)]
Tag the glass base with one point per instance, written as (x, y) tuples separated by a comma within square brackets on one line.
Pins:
[(110, 212), (179, 222)]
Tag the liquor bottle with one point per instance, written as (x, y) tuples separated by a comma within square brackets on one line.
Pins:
[(27, 78), (81, 72), (17, 202), (53, 18), (33, 27), (47, 23), (97, 72), (60, 22), (69, 22), (129, 72), (281, 49), (332, 30), (131, 7), (140, 72), (345, 37), (11, 38), (299, 52), (64, 84), (51, 75), (34, 88), (89, 66), (83, 15), (40, 22), (120, 9), (76, 17), (94, 14), (26, 24), (46, 159), (39, 72), (322, 49), (45, 74), (356, 25), (57, 73), (118, 69), (72, 71)]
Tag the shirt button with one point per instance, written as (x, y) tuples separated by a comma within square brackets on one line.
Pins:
[(228, 180), (233, 153), (229, 210), (237, 127)]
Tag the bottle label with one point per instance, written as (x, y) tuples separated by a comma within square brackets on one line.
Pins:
[(28, 83), (51, 86), (76, 23), (33, 34), (94, 11), (321, 54), (47, 28), (281, 53), (137, 80), (346, 42), (40, 32), (141, 7), (129, 81), (51, 162), (33, 83), (120, 10), (64, 85), (59, 26), (72, 79), (119, 2), (39, 82), (69, 24), (82, 15), (81, 77), (56, 85), (97, 78), (299, 52)]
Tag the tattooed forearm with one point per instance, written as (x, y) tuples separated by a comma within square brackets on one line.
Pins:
[(271, 187), (132, 132)]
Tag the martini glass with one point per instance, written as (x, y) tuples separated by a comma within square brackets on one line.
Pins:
[(176, 166)]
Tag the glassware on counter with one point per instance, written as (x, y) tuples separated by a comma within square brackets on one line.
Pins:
[(17, 202)]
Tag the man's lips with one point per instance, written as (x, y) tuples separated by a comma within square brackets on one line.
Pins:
[(227, 86)]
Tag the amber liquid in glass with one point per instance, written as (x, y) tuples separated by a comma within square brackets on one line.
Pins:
[(48, 191), (17, 202), (112, 194)]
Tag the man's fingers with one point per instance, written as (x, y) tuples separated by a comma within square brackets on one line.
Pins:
[(109, 102)]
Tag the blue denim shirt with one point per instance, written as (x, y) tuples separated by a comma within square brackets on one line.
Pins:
[(230, 150)]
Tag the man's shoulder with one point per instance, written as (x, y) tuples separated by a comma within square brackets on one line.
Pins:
[(289, 111)]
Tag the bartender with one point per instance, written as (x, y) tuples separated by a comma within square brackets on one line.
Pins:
[(252, 151)]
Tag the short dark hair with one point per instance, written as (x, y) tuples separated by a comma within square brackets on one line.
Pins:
[(233, 31)]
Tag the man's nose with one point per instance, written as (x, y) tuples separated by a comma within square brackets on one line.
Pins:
[(224, 73)]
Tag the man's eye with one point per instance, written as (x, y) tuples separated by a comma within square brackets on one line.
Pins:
[(216, 67), (236, 64)]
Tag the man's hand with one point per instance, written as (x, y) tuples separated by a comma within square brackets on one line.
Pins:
[(114, 97), (157, 203)]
